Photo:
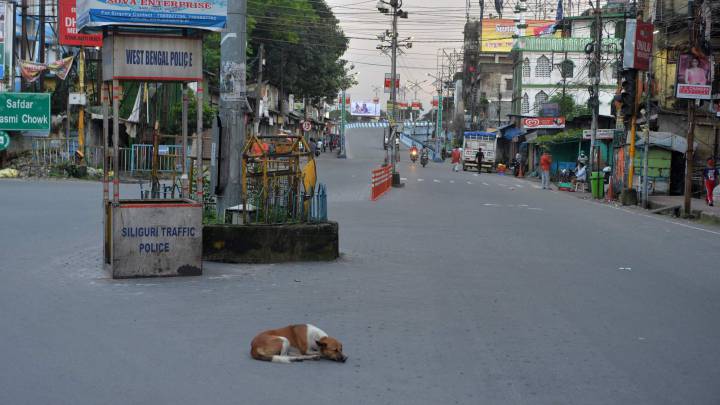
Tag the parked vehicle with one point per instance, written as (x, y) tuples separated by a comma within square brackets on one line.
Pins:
[(472, 141)]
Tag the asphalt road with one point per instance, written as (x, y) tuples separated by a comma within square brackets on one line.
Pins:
[(455, 289)]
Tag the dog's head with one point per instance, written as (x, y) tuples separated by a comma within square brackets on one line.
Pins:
[(331, 349)]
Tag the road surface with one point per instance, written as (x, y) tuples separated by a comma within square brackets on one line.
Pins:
[(457, 289)]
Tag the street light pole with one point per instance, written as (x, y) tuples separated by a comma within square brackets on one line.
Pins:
[(393, 95)]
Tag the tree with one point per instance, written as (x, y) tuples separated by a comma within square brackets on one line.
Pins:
[(568, 108), (303, 45)]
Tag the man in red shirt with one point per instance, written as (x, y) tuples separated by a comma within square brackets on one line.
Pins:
[(456, 156), (545, 163), (710, 174)]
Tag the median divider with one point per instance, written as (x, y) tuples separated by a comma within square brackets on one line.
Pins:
[(381, 181)]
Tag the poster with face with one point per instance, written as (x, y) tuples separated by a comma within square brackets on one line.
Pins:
[(694, 77)]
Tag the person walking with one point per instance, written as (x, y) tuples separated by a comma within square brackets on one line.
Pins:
[(545, 163), (456, 155), (479, 156), (710, 174)]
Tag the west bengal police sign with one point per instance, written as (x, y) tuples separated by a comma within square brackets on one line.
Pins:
[(25, 111), (152, 58)]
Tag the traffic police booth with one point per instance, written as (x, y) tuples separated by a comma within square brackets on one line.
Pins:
[(157, 42)]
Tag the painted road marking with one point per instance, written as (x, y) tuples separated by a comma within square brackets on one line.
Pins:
[(485, 184), (475, 174), (535, 209), (403, 178), (519, 186), (421, 179), (469, 182), (491, 205), (436, 181), (537, 187), (452, 181), (523, 205)]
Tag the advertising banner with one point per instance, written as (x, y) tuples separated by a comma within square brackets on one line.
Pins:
[(201, 14), (31, 71), (67, 30), (25, 111), (543, 123), (603, 134), (497, 34), (388, 80), (347, 100), (416, 105), (694, 77), (149, 58), (365, 109), (638, 45), (3, 8)]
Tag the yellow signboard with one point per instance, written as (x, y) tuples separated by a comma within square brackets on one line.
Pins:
[(497, 34)]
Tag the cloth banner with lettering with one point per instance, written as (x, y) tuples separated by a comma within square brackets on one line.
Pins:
[(31, 71)]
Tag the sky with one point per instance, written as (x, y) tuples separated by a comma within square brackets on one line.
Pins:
[(434, 25)]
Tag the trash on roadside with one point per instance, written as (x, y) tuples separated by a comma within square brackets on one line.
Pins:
[(9, 173)]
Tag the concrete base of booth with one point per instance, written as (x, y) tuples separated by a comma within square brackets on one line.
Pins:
[(153, 238), (271, 243)]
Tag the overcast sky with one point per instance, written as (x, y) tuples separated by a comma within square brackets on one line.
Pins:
[(433, 24), (427, 23)]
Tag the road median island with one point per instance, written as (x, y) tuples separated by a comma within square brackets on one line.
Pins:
[(305, 242)]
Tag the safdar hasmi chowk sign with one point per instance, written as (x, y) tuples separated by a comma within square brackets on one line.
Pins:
[(200, 14)]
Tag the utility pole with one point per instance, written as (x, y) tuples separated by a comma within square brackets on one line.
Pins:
[(41, 47), (343, 150), (258, 91), (81, 113), (233, 103), (690, 154), (397, 12), (596, 85), (646, 130)]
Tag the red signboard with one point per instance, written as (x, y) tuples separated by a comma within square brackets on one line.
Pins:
[(638, 45), (387, 82), (416, 105), (543, 122), (435, 101), (68, 34)]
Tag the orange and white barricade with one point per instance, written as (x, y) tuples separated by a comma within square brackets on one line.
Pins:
[(381, 181)]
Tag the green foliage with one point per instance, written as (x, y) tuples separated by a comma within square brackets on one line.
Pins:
[(570, 135), (303, 45), (568, 108), (174, 126)]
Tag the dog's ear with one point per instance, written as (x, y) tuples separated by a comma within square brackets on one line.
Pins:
[(320, 344)]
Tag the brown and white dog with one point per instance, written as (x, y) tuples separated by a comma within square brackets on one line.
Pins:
[(296, 343)]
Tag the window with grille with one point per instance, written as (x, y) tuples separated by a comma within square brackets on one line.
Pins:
[(567, 68), (543, 68), (540, 99), (525, 104), (526, 68)]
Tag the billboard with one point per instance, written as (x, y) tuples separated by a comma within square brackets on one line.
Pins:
[(638, 45), (497, 34), (694, 77), (200, 14), (365, 109), (543, 122), (67, 30), (150, 58)]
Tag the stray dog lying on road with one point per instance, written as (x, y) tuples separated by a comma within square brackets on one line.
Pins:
[(296, 343)]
